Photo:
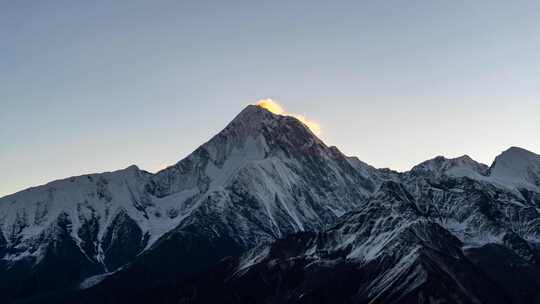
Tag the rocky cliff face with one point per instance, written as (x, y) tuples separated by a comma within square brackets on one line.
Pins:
[(449, 240)]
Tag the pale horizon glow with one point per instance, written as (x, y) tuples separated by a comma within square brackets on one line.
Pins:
[(94, 86)]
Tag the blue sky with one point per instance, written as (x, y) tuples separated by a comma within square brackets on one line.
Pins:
[(91, 86)]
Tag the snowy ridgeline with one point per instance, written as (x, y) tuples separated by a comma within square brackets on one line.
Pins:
[(262, 178), (270, 164)]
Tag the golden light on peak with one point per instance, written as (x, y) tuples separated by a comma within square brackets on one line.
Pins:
[(271, 106), (312, 125), (274, 107)]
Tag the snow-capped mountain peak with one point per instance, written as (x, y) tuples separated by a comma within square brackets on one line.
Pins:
[(254, 119), (463, 166), (264, 177), (517, 167)]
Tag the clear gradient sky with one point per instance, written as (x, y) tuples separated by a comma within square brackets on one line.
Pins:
[(91, 86)]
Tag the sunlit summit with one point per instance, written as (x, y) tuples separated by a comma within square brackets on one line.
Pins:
[(274, 107)]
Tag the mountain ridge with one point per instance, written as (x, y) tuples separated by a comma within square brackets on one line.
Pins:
[(260, 163), (264, 177)]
